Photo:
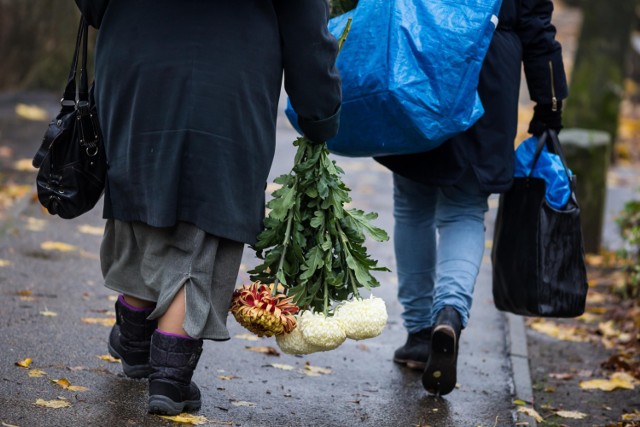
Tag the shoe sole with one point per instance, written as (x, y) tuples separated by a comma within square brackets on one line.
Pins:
[(162, 405), (439, 376), (132, 371), (411, 364)]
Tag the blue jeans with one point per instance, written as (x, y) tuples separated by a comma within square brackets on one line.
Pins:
[(434, 272)]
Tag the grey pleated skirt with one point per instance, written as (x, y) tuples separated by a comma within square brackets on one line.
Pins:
[(153, 264)]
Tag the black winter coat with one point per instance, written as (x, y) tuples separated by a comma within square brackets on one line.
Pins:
[(526, 36), (187, 95)]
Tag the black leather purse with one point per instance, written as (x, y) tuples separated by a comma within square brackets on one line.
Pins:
[(538, 253), (71, 159)]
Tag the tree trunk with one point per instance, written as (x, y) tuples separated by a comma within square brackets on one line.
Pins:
[(36, 42), (600, 65)]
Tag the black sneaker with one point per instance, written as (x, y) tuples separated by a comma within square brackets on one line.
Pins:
[(415, 352), (440, 374)]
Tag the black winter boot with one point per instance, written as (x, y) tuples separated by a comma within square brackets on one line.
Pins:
[(130, 339), (173, 360), (439, 376), (415, 352)]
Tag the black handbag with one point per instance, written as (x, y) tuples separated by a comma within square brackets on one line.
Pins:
[(71, 159), (538, 252)]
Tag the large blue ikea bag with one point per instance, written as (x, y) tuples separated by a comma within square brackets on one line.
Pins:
[(548, 166), (410, 71)]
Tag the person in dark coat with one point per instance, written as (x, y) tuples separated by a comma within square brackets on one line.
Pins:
[(444, 192), (187, 96)]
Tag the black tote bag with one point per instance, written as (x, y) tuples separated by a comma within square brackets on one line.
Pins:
[(538, 252), (71, 160)]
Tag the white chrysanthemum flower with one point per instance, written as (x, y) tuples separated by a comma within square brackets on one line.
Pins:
[(362, 319), (321, 331), (294, 343)]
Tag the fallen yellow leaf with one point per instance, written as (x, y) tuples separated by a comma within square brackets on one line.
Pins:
[(24, 293), (227, 377), (89, 229), (7, 425), (264, 349), (65, 384), (47, 313), (32, 112), (25, 363), (36, 373), (5, 263), (24, 165), (104, 321), (36, 224), (242, 403), (531, 412), (248, 337), (185, 418), (108, 358), (282, 366), (57, 246), (519, 402), (314, 371), (617, 380), (56, 403), (561, 332), (574, 415)]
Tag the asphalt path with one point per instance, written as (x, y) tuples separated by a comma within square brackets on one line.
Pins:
[(50, 291)]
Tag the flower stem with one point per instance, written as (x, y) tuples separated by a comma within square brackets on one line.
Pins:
[(285, 242)]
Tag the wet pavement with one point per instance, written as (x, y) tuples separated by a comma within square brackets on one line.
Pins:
[(356, 385)]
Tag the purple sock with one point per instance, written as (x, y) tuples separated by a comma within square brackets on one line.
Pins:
[(132, 308), (170, 334)]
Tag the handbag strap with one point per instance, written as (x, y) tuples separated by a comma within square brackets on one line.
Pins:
[(74, 92), (549, 138)]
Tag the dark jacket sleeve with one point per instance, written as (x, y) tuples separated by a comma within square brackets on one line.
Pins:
[(542, 54), (93, 10), (311, 78)]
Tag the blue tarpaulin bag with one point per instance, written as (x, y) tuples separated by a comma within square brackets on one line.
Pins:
[(410, 71), (548, 166)]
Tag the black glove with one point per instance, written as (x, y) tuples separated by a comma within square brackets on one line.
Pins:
[(545, 118)]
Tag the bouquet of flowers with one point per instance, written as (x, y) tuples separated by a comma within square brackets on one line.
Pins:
[(314, 260)]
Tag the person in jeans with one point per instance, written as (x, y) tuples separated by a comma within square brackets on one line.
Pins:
[(187, 96), (440, 197)]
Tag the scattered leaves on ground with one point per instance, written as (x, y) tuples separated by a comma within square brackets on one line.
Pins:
[(282, 366), (25, 363), (57, 246), (561, 332), (48, 313), (314, 371), (243, 403), (55, 403), (185, 418), (574, 415), (228, 377), (104, 321), (32, 112), (617, 380), (36, 373), (248, 337), (108, 358), (89, 229), (268, 350), (65, 384), (530, 412)]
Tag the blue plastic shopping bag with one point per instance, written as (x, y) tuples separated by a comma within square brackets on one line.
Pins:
[(410, 71), (549, 167)]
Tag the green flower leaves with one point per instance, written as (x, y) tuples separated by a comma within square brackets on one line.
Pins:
[(311, 244)]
